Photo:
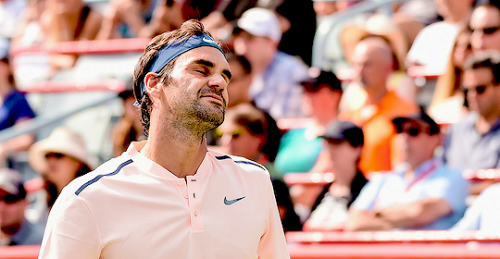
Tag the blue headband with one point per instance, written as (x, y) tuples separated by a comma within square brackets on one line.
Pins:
[(175, 49)]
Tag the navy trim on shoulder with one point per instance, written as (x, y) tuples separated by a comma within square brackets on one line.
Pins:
[(102, 175), (251, 163), (241, 162)]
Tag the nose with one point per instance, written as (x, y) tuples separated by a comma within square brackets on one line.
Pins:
[(477, 39), (219, 82)]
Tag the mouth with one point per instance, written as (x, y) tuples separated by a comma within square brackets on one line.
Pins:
[(215, 98)]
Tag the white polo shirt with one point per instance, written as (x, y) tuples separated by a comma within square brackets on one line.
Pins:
[(131, 207)]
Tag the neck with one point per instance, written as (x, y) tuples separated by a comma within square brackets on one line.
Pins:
[(375, 94), (485, 122), (460, 17), (325, 116), (11, 230), (176, 147), (344, 174), (413, 165)]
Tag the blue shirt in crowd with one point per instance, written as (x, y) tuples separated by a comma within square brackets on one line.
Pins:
[(14, 108), (466, 148), (391, 188)]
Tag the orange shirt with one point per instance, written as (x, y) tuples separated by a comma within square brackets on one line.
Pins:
[(379, 150)]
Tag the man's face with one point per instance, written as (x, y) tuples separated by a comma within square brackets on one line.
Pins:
[(254, 48), (239, 85), (341, 152), (485, 24), (197, 89), (236, 140), (11, 210), (371, 66), (417, 143), (480, 91)]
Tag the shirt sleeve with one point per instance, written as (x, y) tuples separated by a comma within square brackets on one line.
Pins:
[(272, 244), (369, 194), (71, 231), (451, 187), (22, 110)]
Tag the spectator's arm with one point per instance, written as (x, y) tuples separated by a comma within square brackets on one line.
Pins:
[(362, 220), (415, 214)]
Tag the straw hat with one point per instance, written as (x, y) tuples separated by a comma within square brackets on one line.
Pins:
[(377, 25), (61, 140)]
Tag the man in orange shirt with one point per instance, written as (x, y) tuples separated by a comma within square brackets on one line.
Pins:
[(376, 107)]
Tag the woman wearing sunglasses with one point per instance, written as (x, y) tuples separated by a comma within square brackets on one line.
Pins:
[(59, 159)]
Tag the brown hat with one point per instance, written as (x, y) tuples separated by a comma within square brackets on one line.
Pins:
[(377, 25), (61, 140)]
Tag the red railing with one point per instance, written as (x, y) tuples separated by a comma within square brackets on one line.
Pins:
[(325, 178)]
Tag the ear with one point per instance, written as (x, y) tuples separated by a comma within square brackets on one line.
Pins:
[(153, 84)]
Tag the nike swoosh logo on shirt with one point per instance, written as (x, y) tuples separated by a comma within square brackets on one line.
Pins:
[(229, 202)]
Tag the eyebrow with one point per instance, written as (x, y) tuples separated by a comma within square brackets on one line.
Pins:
[(210, 64)]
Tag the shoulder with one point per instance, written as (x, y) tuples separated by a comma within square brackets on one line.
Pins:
[(466, 122), (91, 181), (446, 173), (287, 62), (239, 163)]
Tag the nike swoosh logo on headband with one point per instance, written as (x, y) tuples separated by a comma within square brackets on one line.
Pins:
[(208, 40)]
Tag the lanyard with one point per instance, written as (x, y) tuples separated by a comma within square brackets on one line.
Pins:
[(426, 173)]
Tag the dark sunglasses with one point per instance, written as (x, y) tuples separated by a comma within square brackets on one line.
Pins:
[(478, 89), (488, 30), (54, 155), (10, 199)]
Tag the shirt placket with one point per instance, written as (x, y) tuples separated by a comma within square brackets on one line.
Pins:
[(194, 198)]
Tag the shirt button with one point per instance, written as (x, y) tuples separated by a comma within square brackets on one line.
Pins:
[(195, 213), (186, 196), (179, 182)]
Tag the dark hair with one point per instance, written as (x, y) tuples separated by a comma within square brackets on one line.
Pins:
[(488, 3), (188, 29), (486, 59), (245, 64), (51, 188)]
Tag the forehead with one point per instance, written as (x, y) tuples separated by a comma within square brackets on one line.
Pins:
[(204, 53), (479, 76), (483, 16)]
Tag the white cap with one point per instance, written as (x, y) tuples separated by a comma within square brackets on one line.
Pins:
[(261, 22)]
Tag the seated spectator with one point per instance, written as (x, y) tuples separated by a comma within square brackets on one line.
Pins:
[(148, 18), (276, 75), (11, 12), (433, 44), (129, 127), (15, 229), (14, 109), (29, 31), (244, 133), (379, 25), (421, 194), (59, 159), (69, 20), (448, 102), (297, 22), (344, 142), (484, 23), (300, 149), (373, 64), (474, 141), (484, 213), (241, 80)]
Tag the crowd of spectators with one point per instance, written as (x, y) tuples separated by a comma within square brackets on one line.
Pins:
[(397, 160)]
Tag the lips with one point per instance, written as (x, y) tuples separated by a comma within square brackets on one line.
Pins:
[(215, 97)]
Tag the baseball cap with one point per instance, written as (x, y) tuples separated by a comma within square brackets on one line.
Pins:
[(417, 117), (344, 130), (260, 22), (11, 181), (318, 77)]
